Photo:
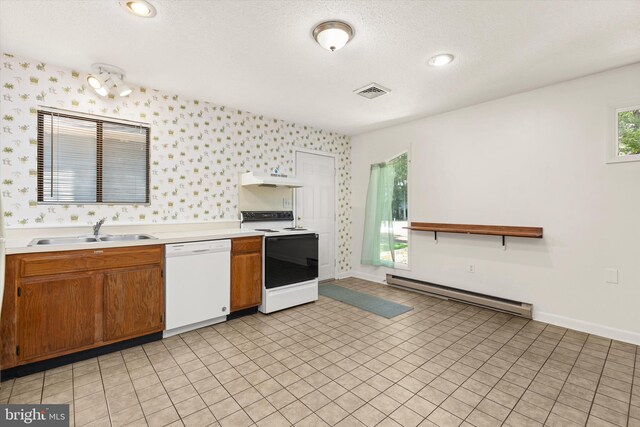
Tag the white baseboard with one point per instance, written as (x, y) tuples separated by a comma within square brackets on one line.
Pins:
[(369, 277), (588, 327), (344, 275), (360, 275)]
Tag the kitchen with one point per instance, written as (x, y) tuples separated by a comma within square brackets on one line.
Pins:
[(223, 232)]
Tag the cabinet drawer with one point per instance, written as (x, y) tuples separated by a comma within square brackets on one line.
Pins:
[(246, 244), (92, 259)]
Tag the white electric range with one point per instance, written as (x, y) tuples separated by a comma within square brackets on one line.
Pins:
[(290, 259)]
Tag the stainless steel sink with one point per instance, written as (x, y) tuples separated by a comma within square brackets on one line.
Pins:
[(78, 240), (124, 237), (63, 241)]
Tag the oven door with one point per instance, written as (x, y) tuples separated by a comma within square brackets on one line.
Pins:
[(290, 259)]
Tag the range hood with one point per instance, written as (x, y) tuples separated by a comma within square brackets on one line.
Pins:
[(267, 180)]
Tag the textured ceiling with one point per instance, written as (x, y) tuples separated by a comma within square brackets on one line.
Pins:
[(259, 56)]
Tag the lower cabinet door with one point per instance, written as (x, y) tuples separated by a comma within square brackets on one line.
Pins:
[(246, 280), (133, 302), (55, 315)]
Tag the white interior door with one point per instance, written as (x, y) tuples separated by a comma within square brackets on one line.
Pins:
[(316, 206)]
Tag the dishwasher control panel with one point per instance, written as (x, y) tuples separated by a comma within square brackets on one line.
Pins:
[(194, 248)]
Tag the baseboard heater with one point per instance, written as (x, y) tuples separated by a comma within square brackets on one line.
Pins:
[(500, 304)]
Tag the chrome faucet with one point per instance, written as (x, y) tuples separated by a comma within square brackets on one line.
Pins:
[(96, 227)]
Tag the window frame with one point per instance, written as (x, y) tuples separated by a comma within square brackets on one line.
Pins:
[(399, 265), (613, 148), (99, 121)]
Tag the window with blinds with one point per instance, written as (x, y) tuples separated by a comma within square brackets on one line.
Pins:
[(91, 160)]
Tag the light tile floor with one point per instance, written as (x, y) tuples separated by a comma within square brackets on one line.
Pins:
[(327, 363)]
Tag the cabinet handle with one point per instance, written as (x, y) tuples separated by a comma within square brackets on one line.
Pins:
[(98, 252)]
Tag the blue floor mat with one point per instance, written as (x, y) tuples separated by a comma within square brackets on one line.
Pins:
[(373, 304)]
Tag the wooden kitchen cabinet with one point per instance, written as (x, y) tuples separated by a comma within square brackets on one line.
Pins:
[(246, 273), (57, 303), (55, 315), (133, 302)]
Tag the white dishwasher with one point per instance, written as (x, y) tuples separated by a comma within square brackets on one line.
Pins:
[(198, 285)]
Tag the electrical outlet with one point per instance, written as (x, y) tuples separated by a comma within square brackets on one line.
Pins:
[(611, 275), (471, 268), (286, 203)]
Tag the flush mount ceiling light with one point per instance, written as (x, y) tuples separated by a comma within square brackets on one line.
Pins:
[(441, 60), (333, 35), (140, 8), (106, 77)]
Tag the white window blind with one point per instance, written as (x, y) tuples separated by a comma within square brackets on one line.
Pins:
[(86, 160), (69, 163), (124, 163)]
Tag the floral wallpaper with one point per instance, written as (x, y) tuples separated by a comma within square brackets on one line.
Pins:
[(197, 151)]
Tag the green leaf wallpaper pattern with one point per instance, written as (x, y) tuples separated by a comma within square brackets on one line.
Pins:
[(197, 151)]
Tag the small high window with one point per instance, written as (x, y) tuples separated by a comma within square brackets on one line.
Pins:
[(82, 159), (628, 134)]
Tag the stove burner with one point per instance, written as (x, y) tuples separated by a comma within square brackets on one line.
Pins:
[(295, 229), (268, 230)]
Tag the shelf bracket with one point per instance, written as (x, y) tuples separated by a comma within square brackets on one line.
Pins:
[(504, 243), (435, 236)]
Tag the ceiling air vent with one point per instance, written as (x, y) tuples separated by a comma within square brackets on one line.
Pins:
[(372, 90)]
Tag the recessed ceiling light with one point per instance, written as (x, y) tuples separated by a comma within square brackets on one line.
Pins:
[(139, 8), (333, 35), (441, 59)]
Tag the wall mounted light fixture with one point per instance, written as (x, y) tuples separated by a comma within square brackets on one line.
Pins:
[(106, 77), (333, 35)]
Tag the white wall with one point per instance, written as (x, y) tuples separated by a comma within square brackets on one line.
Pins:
[(533, 159)]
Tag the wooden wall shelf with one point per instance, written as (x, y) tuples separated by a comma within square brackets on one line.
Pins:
[(491, 230)]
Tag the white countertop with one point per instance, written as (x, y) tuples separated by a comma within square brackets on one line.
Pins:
[(19, 245)]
